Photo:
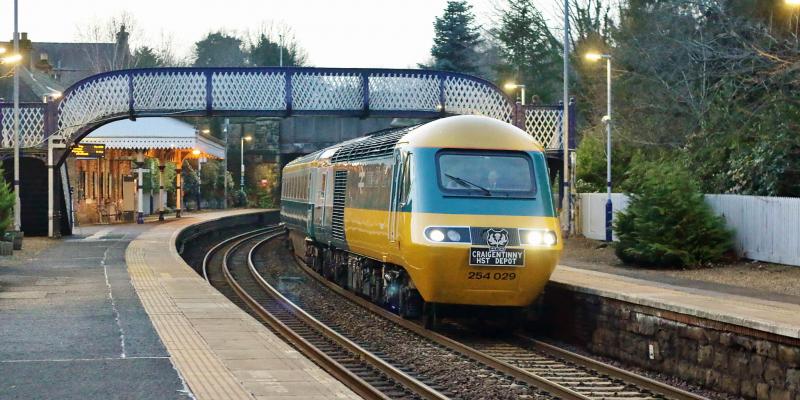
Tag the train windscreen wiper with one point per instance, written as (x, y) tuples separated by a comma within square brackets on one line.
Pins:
[(466, 183)]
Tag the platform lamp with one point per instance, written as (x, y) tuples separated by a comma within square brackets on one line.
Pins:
[(511, 86), (607, 120), (241, 178)]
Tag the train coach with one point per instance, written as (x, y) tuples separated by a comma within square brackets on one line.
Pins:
[(455, 211)]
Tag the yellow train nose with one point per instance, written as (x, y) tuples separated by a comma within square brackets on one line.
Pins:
[(499, 271)]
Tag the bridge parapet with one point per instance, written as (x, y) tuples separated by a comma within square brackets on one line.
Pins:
[(279, 92)]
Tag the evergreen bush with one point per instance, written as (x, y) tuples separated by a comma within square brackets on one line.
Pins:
[(6, 204), (667, 222)]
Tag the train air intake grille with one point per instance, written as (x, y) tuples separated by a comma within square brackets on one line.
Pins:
[(379, 144), (339, 191)]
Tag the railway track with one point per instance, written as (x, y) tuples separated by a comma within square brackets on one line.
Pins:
[(236, 269), (228, 266), (561, 372)]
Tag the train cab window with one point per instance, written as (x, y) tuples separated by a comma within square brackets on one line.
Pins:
[(480, 173)]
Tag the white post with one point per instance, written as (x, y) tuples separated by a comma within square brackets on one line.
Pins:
[(17, 204), (566, 200), (160, 189), (140, 187), (522, 93)]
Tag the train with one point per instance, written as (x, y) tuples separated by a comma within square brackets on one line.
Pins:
[(456, 211)]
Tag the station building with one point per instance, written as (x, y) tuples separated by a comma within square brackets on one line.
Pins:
[(109, 187)]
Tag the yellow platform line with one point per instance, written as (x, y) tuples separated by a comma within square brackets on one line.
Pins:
[(203, 372)]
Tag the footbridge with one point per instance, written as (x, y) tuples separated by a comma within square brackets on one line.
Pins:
[(272, 92)]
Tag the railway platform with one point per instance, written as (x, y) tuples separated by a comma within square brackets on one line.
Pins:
[(114, 312), (744, 343), (776, 314)]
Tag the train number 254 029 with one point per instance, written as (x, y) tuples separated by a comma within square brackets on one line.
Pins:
[(498, 276)]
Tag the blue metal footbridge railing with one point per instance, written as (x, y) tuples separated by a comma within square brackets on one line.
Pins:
[(271, 91)]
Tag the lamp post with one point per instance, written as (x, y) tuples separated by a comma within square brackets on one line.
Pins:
[(225, 127), (607, 120), (17, 204), (567, 195), (15, 59), (241, 178), (280, 48), (512, 86)]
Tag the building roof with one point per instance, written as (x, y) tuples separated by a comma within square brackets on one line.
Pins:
[(155, 133), (74, 61), (39, 83)]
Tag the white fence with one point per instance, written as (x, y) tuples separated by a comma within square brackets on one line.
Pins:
[(767, 228)]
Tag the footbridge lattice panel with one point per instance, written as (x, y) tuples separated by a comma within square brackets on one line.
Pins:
[(278, 92)]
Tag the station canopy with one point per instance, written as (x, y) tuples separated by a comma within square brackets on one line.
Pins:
[(155, 133)]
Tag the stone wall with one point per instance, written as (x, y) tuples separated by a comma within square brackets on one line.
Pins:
[(728, 358)]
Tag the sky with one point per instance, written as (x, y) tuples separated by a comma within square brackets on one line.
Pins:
[(334, 33)]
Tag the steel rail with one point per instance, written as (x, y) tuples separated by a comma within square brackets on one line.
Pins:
[(501, 366), (419, 388), (611, 371), (328, 364), (225, 242)]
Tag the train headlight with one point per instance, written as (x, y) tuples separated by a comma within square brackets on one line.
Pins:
[(535, 238), (538, 237), (447, 234), (435, 235), (453, 235), (550, 238)]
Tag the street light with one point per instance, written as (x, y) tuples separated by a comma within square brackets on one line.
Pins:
[(241, 177), (511, 86), (607, 120), (14, 58), (17, 202), (225, 127)]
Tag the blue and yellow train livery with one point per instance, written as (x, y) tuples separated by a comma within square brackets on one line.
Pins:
[(454, 211)]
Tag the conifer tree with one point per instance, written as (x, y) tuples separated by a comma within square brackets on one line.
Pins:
[(457, 38), (667, 222), (530, 51)]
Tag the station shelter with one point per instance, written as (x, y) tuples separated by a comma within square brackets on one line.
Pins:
[(107, 168)]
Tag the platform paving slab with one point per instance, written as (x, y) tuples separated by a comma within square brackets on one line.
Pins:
[(777, 317), (221, 351), (72, 326)]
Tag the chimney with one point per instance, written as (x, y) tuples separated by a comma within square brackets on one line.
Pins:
[(25, 47), (122, 50)]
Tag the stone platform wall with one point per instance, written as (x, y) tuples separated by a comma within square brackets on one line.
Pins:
[(723, 357)]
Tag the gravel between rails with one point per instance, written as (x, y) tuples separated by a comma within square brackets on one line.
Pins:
[(463, 377)]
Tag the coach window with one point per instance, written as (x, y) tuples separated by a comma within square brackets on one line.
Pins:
[(405, 188)]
